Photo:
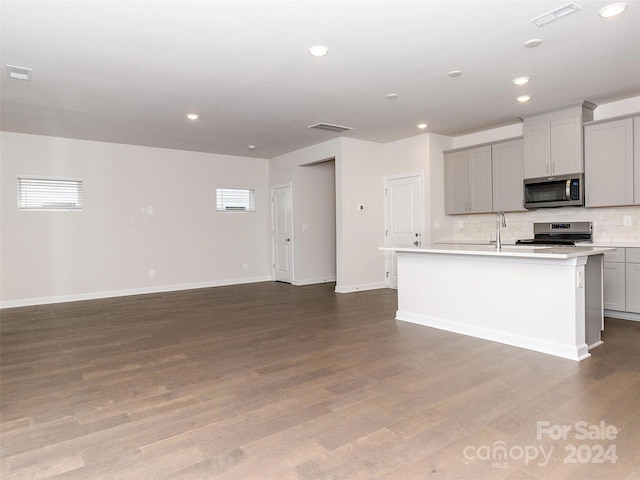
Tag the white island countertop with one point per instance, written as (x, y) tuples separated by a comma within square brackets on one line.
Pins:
[(539, 251), (542, 298)]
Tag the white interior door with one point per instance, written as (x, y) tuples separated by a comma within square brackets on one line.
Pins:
[(282, 215), (403, 217)]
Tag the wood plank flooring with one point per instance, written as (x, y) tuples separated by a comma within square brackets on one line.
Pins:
[(270, 381)]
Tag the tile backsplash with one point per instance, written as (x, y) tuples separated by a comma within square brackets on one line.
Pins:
[(608, 224)]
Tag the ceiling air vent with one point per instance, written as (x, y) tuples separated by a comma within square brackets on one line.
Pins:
[(330, 127), (19, 73), (555, 14)]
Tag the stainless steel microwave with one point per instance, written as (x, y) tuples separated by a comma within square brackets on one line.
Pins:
[(556, 191)]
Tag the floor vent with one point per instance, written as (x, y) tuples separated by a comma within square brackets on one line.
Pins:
[(330, 127)]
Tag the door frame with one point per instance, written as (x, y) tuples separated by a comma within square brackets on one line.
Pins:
[(390, 257), (273, 241)]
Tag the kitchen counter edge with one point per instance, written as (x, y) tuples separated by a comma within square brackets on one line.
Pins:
[(559, 253)]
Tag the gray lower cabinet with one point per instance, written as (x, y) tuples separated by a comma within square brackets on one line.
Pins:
[(614, 280), (633, 280), (621, 280)]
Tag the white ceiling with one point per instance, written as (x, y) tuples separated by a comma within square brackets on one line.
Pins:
[(128, 72)]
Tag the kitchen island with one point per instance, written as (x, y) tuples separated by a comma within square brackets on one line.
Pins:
[(547, 299)]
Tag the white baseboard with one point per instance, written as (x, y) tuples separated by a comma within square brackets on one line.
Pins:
[(559, 350), (622, 315), (314, 281), (27, 302), (359, 288)]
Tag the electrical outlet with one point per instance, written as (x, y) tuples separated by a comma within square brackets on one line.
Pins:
[(152, 274), (245, 266), (626, 220), (460, 224)]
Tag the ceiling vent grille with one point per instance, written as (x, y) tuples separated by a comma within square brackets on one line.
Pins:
[(19, 73), (330, 127), (555, 14)]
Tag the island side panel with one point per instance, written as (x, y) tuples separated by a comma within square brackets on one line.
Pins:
[(530, 303), (594, 298)]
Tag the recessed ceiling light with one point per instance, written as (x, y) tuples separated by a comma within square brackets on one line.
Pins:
[(422, 126), (613, 9), (534, 42), (392, 96), (252, 147), (193, 116), (523, 98), (521, 80), (455, 73), (318, 51)]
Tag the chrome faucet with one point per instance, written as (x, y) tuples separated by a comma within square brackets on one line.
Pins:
[(501, 221)]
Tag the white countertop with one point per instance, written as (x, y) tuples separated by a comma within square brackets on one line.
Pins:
[(615, 244), (610, 244), (559, 253)]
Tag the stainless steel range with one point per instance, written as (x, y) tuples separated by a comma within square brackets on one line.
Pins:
[(559, 233)]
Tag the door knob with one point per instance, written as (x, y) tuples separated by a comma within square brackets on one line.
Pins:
[(288, 239)]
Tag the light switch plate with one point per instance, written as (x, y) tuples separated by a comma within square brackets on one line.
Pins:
[(626, 220)]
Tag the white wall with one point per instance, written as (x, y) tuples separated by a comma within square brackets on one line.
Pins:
[(423, 153), (359, 172), (312, 173), (358, 263), (441, 224), (409, 156), (627, 106), (109, 247), (315, 216)]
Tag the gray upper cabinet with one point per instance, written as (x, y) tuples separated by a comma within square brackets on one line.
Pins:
[(456, 178), (468, 181), (480, 182), (566, 145), (507, 169), (553, 141), (608, 163), (537, 150)]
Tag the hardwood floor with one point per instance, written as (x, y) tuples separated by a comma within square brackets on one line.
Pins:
[(270, 381)]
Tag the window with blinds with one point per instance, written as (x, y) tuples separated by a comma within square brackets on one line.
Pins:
[(49, 194), (236, 199)]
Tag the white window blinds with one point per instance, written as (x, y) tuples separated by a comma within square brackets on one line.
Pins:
[(49, 194), (236, 199)]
